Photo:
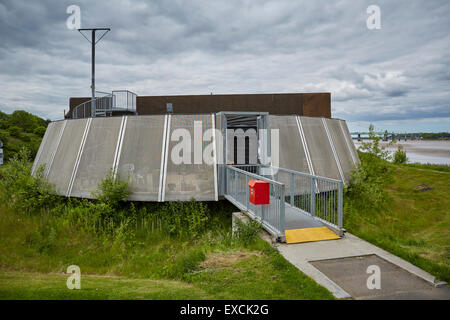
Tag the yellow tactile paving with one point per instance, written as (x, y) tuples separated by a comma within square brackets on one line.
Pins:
[(309, 234)]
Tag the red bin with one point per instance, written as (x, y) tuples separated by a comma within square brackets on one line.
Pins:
[(259, 192)]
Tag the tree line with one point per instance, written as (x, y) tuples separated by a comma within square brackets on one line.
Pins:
[(21, 129)]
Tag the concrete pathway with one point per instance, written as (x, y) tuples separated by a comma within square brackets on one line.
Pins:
[(341, 267)]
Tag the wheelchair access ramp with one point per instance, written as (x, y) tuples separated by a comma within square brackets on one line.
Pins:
[(302, 207)]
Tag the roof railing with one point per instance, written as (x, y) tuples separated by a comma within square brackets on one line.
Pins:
[(117, 101)]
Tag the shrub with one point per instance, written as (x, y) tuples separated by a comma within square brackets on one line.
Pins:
[(15, 131), (373, 146), (112, 191), (365, 188), (21, 189), (40, 131), (246, 232), (4, 136), (400, 156)]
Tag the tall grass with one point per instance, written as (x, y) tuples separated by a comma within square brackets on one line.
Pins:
[(109, 231)]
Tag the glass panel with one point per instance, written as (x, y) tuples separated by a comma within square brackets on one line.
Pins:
[(140, 159), (186, 181), (62, 167), (98, 156)]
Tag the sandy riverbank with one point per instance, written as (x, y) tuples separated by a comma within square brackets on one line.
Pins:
[(424, 151)]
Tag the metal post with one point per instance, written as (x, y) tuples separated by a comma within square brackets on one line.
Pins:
[(93, 43), (235, 185), (313, 196), (292, 189), (93, 102), (340, 204), (227, 177), (282, 208), (247, 192), (93, 64)]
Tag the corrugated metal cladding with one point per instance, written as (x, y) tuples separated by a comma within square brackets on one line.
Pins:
[(78, 154)]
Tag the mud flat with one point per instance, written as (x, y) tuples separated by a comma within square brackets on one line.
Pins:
[(422, 151)]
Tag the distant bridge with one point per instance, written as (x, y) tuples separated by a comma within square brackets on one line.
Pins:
[(362, 135)]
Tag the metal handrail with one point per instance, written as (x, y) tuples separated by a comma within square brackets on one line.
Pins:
[(256, 176), (118, 100), (320, 197), (271, 216), (316, 196), (90, 107), (306, 174)]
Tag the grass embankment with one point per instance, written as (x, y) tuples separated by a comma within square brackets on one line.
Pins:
[(133, 251), (409, 214), (154, 266)]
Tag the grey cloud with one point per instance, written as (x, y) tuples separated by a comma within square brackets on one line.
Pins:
[(197, 47)]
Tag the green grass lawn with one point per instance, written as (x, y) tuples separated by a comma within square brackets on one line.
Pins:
[(26, 285), (225, 275), (153, 266), (414, 223), (126, 250)]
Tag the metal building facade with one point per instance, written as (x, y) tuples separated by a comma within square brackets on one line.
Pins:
[(78, 154)]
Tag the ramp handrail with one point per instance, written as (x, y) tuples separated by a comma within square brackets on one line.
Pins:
[(237, 191), (320, 197)]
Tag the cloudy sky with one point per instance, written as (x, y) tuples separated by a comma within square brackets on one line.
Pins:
[(397, 77)]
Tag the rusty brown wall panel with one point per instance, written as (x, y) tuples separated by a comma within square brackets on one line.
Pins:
[(305, 104), (317, 105)]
